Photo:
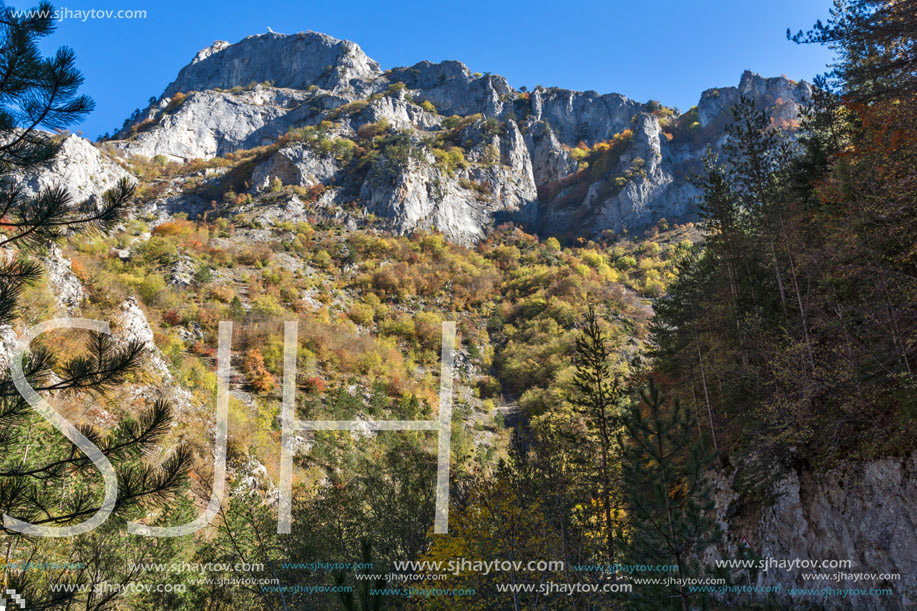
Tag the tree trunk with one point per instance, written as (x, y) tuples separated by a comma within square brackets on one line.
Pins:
[(802, 311), (606, 490), (703, 377)]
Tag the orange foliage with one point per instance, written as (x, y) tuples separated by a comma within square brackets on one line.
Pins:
[(174, 228), (253, 365)]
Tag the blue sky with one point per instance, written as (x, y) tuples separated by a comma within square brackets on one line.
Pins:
[(665, 50)]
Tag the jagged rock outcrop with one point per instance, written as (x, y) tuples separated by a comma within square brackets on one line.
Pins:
[(289, 81), (84, 170), (8, 342), (296, 164), (858, 511), (68, 290), (399, 109), (181, 272), (295, 61), (252, 479), (454, 90), (585, 116), (460, 202), (640, 188), (207, 124), (779, 94), (131, 324), (550, 160)]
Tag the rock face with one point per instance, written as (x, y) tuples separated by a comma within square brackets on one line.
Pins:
[(454, 90), (8, 342), (461, 202), (585, 116), (863, 512), (641, 188), (209, 124), (68, 290), (778, 94), (295, 165), (131, 325), (292, 61), (85, 171), (518, 152)]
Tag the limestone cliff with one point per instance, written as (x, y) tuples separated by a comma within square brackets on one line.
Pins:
[(858, 511), (248, 94)]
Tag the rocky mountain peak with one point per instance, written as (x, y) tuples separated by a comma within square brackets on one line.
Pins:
[(434, 145), (206, 52), (454, 89), (779, 95), (294, 61)]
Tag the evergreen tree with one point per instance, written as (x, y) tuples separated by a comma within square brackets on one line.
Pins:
[(598, 396), (44, 480), (876, 46), (668, 498), (799, 312)]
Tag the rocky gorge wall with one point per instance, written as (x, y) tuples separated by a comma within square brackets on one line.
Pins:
[(865, 512), (634, 166)]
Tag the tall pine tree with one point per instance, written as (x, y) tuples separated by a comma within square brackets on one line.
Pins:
[(668, 497)]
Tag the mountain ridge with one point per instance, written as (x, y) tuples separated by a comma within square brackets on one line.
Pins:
[(595, 163)]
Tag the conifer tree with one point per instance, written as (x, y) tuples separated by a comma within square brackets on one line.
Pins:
[(598, 396), (44, 479), (876, 46), (668, 497)]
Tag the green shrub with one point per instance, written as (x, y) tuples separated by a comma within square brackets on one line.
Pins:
[(361, 313), (150, 287), (266, 306), (371, 130), (394, 89), (449, 160)]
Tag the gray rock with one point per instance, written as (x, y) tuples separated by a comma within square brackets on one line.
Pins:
[(858, 511), (295, 61), (8, 342), (252, 479), (400, 113), (639, 190), (68, 290), (451, 87), (780, 96), (533, 180), (550, 160), (131, 324), (583, 116), (296, 164), (192, 333), (84, 170), (212, 123), (181, 273), (420, 195)]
